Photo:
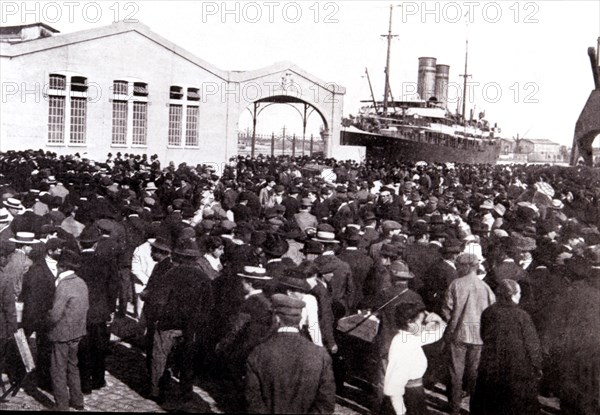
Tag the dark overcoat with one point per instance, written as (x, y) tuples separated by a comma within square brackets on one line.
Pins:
[(507, 380), (288, 374)]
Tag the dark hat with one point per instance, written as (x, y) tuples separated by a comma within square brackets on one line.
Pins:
[(452, 246), (313, 247), (89, 234), (54, 243), (24, 238), (286, 305), (255, 273), (389, 250), (399, 269), (271, 213), (297, 284), (187, 248), (295, 233), (160, 243), (275, 245), (351, 234), (369, 215), (419, 228), (69, 260), (279, 188)]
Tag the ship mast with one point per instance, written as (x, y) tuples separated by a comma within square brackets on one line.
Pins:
[(389, 37), (465, 77), (371, 89)]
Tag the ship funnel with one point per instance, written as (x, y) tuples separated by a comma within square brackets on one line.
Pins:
[(442, 75), (427, 76)]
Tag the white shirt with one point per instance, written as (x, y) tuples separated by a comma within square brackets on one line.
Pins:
[(310, 318), (215, 263), (406, 358), (142, 265), (52, 265)]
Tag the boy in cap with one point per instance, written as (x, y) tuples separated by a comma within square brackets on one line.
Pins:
[(278, 381)]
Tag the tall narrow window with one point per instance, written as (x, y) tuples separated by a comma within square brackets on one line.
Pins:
[(191, 127), (78, 110), (56, 119), (139, 123), (175, 125), (119, 128)]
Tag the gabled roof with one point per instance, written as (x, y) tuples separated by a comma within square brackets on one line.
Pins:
[(57, 41), (540, 141)]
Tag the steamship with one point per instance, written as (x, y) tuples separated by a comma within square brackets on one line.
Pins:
[(421, 129)]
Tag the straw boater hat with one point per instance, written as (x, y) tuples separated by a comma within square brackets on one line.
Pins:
[(151, 186), (4, 215), (13, 203), (326, 237), (256, 273), (24, 238)]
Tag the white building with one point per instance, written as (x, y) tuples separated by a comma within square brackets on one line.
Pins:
[(123, 88)]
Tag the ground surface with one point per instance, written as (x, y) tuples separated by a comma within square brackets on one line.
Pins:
[(126, 380)]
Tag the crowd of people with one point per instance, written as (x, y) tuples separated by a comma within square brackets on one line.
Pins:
[(481, 278)]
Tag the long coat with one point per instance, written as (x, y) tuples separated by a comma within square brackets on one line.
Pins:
[(8, 312), (278, 381), (37, 296), (510, 362)]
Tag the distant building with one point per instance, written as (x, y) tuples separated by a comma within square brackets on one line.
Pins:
[(533, 150), (123, 88)]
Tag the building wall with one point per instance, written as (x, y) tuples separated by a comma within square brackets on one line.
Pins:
[(126, 55), (132, 55)]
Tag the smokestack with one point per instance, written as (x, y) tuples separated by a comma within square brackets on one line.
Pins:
[(426, 81), (442, 75)]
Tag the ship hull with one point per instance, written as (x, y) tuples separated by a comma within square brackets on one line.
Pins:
[(396, 148)]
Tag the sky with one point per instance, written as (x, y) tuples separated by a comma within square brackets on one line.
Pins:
[(528, 60)]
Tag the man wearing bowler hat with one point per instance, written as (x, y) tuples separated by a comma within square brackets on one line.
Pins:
[(278, 381)]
